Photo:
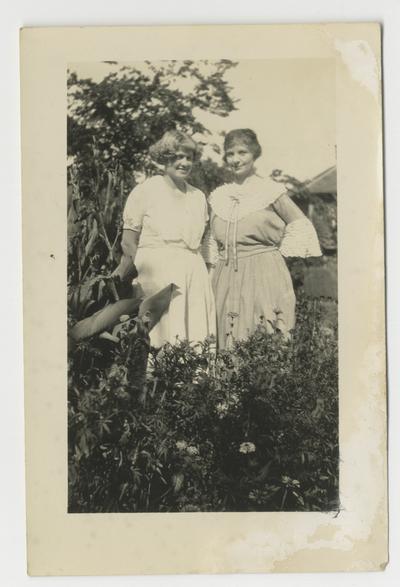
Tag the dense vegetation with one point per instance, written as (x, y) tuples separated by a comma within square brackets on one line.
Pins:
[(187, 429), (251, 429)]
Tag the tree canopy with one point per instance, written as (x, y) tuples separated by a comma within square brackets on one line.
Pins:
[(124, 113), (111, 125)]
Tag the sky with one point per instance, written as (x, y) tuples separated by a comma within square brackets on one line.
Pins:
[(290, 104)]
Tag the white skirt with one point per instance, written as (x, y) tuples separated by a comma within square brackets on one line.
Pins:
[(191, 314)]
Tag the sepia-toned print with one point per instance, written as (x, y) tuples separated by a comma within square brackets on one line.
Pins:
[(204, 310), (202, 286)]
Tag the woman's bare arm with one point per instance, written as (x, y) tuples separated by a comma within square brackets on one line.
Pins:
[(300, 238), (287, 209), (129, 244)]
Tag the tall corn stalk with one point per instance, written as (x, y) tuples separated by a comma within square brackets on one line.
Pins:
[(94, 218)]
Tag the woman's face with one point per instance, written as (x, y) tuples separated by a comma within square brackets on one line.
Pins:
[(240, 159), (181, 165)]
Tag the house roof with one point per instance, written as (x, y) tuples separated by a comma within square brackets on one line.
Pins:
[(324, 183)]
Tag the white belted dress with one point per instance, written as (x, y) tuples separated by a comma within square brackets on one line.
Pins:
[(171, 225)]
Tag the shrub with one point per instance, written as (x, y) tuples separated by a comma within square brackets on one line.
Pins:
[(255, 428)]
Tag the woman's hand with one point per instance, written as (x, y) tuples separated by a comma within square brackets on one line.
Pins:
[(126, 270), (116, 274), (210, 267), (118, 289)]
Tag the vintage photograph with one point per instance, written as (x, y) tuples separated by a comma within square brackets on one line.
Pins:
[(204, 299), (202, 286)]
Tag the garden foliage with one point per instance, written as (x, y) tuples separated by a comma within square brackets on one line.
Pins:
[(111, 125), (250, 429), (187, 429)]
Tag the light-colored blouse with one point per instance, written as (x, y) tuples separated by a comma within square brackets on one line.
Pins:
[(164, 215), (254, 215)]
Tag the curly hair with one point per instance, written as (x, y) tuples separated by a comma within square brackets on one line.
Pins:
[(246, 136), (164, 151)]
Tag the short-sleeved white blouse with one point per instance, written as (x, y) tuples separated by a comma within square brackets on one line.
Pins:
[(165, 215)]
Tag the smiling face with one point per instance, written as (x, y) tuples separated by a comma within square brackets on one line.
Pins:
[(240, 159), (180, 167)]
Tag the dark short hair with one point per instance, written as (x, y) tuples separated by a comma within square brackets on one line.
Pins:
[(164, 150), (246, 136)]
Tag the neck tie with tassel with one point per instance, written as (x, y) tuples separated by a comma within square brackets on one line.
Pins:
[(233, 220)]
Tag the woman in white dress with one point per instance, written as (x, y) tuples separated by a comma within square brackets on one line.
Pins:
[(163, 223)]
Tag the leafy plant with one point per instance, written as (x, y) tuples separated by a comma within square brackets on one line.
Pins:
[(252, 429), (186, 428), (111, 125)]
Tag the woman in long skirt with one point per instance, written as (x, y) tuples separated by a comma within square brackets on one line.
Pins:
[(255, 227)]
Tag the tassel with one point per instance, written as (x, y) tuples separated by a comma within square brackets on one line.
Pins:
[(235, 257)]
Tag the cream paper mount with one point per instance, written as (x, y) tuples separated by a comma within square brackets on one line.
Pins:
[(354, 538)]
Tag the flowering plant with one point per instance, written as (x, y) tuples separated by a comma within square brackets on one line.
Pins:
[(250, 429), (247, 447)]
